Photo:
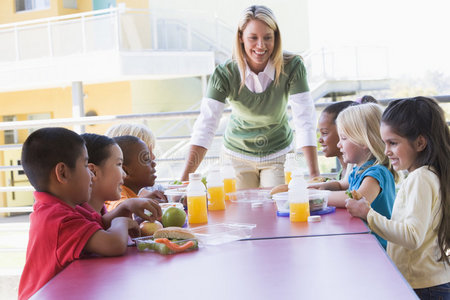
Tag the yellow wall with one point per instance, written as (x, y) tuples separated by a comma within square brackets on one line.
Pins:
[(105, 99), (134, 3), (83, 5), (8, 12), (8, 9), (151, 96)]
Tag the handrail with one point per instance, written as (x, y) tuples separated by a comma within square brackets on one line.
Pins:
[(63, 17)]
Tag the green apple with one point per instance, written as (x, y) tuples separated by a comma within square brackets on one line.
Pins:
[(173, 216)]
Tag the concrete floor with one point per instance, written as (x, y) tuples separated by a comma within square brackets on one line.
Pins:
[(13, 243)]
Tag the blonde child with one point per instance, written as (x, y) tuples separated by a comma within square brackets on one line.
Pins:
[(135, 129), (55, 161), (361, 144), (105, 163), (418, 233)]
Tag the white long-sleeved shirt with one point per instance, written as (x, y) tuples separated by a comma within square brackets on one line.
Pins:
[(303, 113)]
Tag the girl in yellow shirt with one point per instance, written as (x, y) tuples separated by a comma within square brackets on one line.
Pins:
[(417, 139)]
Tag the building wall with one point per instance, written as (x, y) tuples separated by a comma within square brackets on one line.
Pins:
[(293, 22), (151, 96), (8, 12)]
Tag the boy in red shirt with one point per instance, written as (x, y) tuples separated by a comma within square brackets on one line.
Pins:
[(55, 161)]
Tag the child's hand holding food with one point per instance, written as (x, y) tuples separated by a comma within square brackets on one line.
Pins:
[(158, 195), (357, 205), (147, 209)]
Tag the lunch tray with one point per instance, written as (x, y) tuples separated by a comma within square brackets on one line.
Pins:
[(327, 210)]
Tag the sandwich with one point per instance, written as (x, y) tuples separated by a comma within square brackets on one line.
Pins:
[(169, 240), (318, 179), (353, 194), (279, 189)]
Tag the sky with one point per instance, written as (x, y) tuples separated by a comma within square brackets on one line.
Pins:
[(414, 32)]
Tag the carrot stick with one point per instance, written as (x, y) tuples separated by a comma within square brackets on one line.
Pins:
[(174, 246)]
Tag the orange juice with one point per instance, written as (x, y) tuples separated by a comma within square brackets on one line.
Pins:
[(197, 212), (216, 198), (287, 177), (229, 185), (298, 211)]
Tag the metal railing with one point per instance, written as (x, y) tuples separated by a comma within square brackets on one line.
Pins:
[(117, 28), (111, 119)]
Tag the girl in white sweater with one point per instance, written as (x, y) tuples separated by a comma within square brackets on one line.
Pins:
[(417, 139)]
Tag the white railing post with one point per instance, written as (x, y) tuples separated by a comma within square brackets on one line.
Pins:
[(16, 42), (78, 104), (189, 36), (356, 63), (50, 39), (121, 8), (83, 34), (154, 29), (324, 70)]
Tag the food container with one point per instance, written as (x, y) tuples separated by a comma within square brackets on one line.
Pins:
[(250, 196), (148, 244), (175, 195), (318, 200), (165, 206), (281, 199), (177, 184), (217, 234)]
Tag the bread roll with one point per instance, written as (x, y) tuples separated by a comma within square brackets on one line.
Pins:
[(279, 189), (317, 179), (174, 233), (356, 195)]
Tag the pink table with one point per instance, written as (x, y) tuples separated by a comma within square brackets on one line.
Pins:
[(269, 225), (332, 267)]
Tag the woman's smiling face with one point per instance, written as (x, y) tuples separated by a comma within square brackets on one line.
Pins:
[(259, 41)]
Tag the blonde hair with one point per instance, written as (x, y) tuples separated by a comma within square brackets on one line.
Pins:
[(265, 15), (135, 129), (361, 125)]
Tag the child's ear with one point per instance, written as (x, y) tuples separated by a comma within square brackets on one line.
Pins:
[(62, 172), (126, 170), (94, 170), (420, 143)]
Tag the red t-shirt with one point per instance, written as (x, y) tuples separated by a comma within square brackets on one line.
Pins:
[(86, 210), (58, 234)]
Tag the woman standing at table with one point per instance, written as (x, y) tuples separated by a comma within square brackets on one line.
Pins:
[(258, 82)]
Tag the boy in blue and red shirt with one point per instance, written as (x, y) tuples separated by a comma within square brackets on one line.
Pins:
[(55, 161)]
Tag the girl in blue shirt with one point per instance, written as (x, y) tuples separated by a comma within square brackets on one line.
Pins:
[(361, 144)]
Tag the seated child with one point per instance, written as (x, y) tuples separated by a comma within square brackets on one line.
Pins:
[(105, 163), (55, 161), (146, 135), (138, 166), (361, 144), (329, 139), (418, 233)]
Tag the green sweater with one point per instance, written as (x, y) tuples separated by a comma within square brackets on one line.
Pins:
[(259, 123)]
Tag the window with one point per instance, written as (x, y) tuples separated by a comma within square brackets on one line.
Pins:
[(24, 5), (42, 116), (70, 4), (10, 135)]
